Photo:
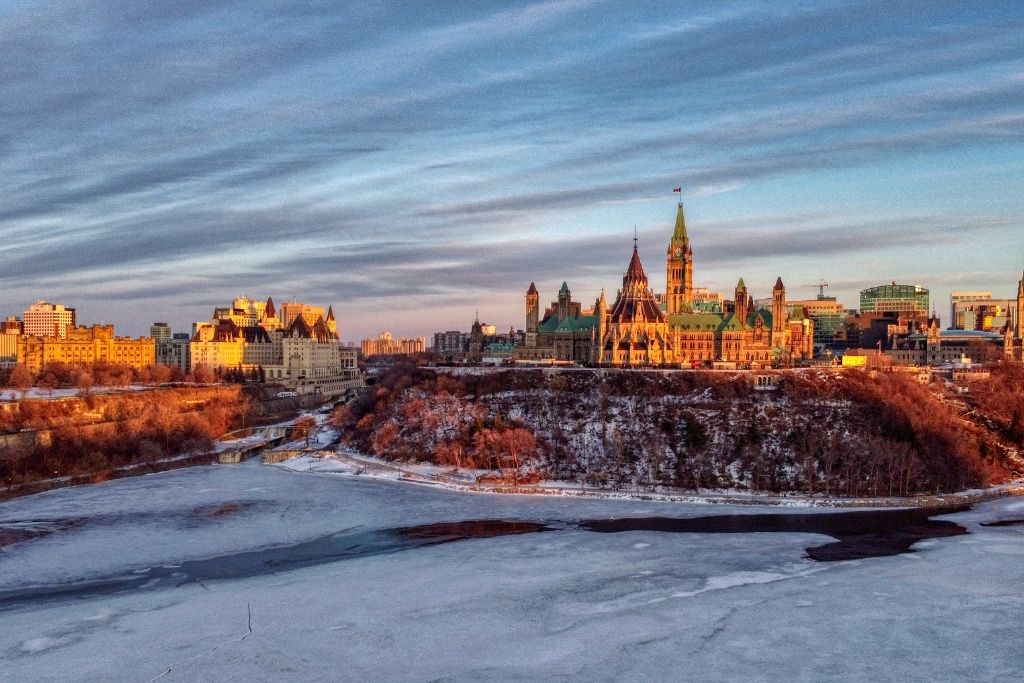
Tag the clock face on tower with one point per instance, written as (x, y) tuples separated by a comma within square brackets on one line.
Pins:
[(678, 252)]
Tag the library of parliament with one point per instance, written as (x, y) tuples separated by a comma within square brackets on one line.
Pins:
[(637, 329)]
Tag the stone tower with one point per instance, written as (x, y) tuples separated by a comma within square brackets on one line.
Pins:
[(476, 341), (332, 323), (779, 314), (679, 268), (532, 314), (564, 302), (741, 302), (1020, 308)]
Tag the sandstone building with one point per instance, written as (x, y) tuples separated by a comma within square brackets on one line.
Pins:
[(637, 330), (86, 346), (306, 357)]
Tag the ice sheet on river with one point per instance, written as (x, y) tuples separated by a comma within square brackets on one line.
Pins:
[(570, 604)]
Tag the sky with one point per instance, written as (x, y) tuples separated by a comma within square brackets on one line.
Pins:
[(414, 163)]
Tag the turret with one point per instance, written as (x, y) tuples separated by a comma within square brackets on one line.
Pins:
[(779, 317), (331, 323), (532, 308), (564, 301), (741, 302), (1020, 308)]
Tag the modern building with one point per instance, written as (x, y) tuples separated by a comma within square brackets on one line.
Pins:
[(12, 325), (965, 297), (86, 346), (635, 330), (935, 346), (450, 342), (979, 311), (829, 318), (43, 319), (9, 342), (387, 345), (894, 298)]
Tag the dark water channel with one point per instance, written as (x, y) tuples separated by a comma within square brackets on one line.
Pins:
[(858, 535)]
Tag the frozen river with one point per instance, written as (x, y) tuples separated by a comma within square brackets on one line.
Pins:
[(256, 573)]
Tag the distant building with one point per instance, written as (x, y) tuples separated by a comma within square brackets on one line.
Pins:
[(829, 317), (979, 311), (178, 352), (305, 357), (1013, 335), (9, 341), (966, 298), (386, 345), (894, 298), (86, 346), (160, 332), (43, 319), (12, 325), (935, 346), (292, 310), (450, 343), (639, 329)]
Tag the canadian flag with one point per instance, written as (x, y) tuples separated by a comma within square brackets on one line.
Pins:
[(677, 189)]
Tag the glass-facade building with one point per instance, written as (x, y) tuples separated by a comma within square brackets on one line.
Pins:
[(894, 298)]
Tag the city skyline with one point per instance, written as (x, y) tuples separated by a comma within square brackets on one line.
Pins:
[(412, 166)]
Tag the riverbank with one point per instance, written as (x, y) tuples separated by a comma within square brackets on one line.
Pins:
[(352, 463)]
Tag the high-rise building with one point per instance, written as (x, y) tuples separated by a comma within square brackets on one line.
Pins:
[(43, 319), (894, 298), (386, 345), (964, 298), (979, 311), (160, 332)]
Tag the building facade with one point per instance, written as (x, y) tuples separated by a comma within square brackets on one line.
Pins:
[(637, 329), (43, 319), (86, 346), (894, 298), (387, 345), (305, 357)]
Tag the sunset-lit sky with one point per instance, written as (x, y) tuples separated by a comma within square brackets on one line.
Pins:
[(413, 163)]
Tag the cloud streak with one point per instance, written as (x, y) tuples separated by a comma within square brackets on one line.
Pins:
[(156, 158)]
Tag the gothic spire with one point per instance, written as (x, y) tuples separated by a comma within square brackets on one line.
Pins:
[(680, 232), (635, 269)]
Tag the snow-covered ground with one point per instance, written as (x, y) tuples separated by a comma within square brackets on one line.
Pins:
[(565, 604), (38, 393)]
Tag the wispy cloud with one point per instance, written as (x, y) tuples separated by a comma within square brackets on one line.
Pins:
[(393, 157)]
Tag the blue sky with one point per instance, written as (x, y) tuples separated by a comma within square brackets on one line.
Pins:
[(412, 163)]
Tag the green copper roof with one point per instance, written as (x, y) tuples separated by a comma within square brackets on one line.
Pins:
[(740, 285), (730, 324), (564, 289), (695, 321), (680, 233), (584, 323)]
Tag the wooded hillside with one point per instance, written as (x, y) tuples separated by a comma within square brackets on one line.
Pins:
[(837, 433)]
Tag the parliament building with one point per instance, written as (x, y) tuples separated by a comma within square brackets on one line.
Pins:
[(638, 330)]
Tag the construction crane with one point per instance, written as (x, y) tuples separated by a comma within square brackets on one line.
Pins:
[(820, 285)]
